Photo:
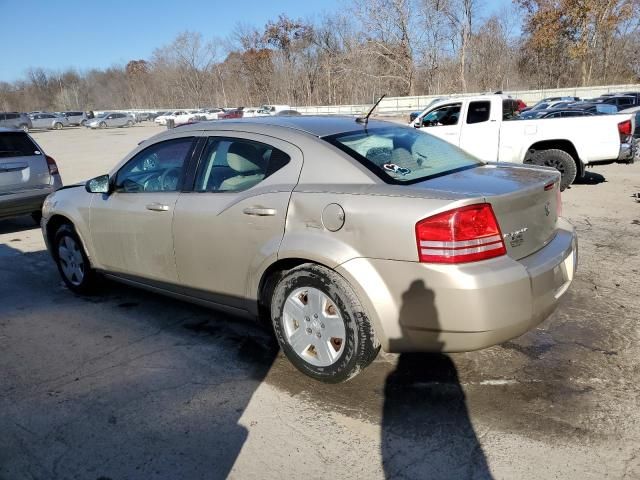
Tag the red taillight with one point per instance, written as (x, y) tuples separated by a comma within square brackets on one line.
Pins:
[(624, 128), (53, 167), (465, 234), (558, 201)]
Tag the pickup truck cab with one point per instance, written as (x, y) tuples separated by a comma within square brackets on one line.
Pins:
[(489, 127)]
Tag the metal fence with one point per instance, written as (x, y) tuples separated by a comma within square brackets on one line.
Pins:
[(399, 105)]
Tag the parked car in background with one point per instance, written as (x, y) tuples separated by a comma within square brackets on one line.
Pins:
[(27, 175), (49, 121), (249, 112), (113, 119), (554, 113), (231, 113), (621, 102), (272, 109), (486, 127), (76, 118), (547, 103), (288, 113), (179, 117), (461, 255), (211, 113), (15, 120), (594, 108)]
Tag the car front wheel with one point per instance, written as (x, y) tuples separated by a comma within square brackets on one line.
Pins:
[(321, 325), (72, 261)]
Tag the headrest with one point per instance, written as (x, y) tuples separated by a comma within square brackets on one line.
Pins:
[(243, 158)]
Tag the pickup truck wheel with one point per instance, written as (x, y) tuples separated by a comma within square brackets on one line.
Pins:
[(321, 325), (561, 161), (72, 261)]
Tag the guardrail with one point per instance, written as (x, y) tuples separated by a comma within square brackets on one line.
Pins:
[(401, 105)]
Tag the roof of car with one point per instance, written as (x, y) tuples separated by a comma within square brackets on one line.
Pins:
[(317, 125)]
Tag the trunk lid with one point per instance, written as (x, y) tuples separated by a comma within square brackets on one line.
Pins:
[(22, 165), (524, 200)]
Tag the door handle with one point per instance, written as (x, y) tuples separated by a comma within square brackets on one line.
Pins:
[(157, 207), (259, 211)]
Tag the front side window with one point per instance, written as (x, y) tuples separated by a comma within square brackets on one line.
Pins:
[(403, 155), (158, 168), (478, 112), (442, 116), (233, 164)]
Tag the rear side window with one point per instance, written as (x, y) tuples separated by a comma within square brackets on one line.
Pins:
[(12, 116), (236, 164), (16, 144), (403, 155), (478, 112)]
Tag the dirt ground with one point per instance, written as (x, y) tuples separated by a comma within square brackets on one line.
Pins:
[(128, 384)]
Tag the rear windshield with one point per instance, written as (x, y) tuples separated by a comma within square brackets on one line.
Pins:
[(16, 144), (403, 155)]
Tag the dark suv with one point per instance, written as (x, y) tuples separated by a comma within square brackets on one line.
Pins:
[(15, 120)]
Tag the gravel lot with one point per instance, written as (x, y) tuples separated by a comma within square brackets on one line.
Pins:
[(129, 384)]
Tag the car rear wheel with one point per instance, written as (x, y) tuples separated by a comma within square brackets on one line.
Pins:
[(103, 125), (561, 161), (72, 261), (321, 325), (83, 123), (57, 126), (25, 127), (129, 123)]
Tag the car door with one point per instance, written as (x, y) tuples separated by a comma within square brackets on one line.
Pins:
[(233, 220), (480, 133), (38, 121), (444, 122), (131, 227)]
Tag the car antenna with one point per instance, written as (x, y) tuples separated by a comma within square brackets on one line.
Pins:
[(365, 119)]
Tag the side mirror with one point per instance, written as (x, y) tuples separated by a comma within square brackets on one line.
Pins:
[(98, 185)]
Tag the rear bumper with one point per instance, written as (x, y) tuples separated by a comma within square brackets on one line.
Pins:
[(23, 203), (627, 152), (450, 308)]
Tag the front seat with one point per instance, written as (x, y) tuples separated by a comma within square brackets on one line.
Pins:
[(249, 165)]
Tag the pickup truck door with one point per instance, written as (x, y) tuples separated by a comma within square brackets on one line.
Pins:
[(480, 132), (443, 122)]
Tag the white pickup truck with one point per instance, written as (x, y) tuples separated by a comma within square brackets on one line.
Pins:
[(488, 127)]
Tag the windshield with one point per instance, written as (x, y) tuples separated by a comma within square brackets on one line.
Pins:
[(403, 155)]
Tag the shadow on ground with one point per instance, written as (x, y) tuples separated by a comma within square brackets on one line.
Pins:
[(590, 178)]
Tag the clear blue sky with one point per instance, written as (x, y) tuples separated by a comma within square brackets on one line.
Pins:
[(83, 34)]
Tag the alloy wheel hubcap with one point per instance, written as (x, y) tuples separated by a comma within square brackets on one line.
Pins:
[(71, 260), (313, 326)]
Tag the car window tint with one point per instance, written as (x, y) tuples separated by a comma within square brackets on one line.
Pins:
[(233, 164), (158, 168), (478, 112), (16, 144), (402, 155)]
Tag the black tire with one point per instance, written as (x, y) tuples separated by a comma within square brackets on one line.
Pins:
[(57, 126), (89, 281), (102, 125), (83, 123), (561, 161), (25, 127), (129, 123), (360, 343)]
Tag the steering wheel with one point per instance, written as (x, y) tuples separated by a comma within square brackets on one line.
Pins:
[(169, 179)]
